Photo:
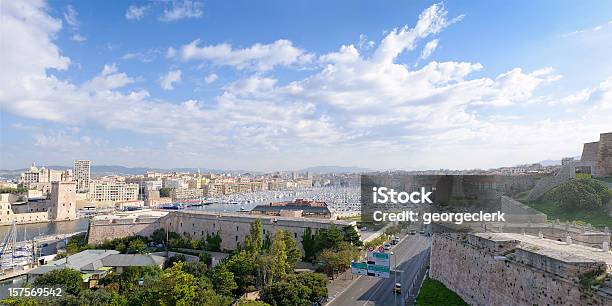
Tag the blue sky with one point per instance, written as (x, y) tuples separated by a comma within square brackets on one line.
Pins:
[(268, 85)]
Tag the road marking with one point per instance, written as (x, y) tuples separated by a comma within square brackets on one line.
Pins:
[(373, 293)]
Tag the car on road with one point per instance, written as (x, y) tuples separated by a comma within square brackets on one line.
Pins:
[(387, 246), (412, 232), (422, 232), (397, 288), (393, 242)]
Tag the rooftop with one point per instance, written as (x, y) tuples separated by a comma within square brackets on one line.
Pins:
[(90, 261), (552, 248)]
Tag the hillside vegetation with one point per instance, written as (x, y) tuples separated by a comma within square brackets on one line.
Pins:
[(583, 199)]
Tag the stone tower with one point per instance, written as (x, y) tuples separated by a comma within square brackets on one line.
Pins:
[(604, 155), (63, 201), (589, 152)]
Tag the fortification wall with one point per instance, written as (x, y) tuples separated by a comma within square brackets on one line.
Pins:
[(517, 212), (590, 150), (480, 279), (233, 228), (102, 230), (604, 155), (549, 182)]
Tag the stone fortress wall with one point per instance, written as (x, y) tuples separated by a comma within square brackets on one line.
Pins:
[(600, 154), (595, 155), (486, 271), (233, 227), (603, 167), (102, 230), (517, 212), (549, 182)]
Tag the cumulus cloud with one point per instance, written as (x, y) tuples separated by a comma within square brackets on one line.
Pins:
[(364, 43), (167, 81), (429, 48), (259, 57), (71, 16), (182, 9), (368, 110), (78, 38), (135, 12), (211, 78)]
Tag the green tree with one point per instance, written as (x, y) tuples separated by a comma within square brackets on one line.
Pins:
[(177, 286), (69, 278), (136, 247), (77, 243), (309, 245), (580, 194), (338, 259), (254, 242), (316, 282), (165, 192), (205, 258), (213, 242), (278, 251), (197, 269), (173, 260), (294, 255), (159, 236), (334, 237), (223, 280), (243, 302), (284, 293), (244, 267), (352, 236), (100, 297)]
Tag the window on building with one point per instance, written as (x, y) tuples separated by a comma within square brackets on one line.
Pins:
[(236, 238)]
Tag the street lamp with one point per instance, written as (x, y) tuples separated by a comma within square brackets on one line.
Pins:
[(394, 277)]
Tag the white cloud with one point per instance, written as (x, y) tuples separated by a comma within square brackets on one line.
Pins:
[(181, 10), (258, 57), (364, 43), (135, 12), (431, 21), (144, 56), (167, 81), (211, 78), (429, 48), (71, 16), (367, 110), (78, 38)]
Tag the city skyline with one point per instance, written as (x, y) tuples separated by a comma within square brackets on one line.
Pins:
[(256, 86)]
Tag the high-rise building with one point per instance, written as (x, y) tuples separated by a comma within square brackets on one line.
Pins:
[(82, 172)]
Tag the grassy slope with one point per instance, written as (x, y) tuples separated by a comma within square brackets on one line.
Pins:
[(593, 217), (435, 293), (596, 218)]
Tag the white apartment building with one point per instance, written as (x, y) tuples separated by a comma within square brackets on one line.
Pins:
[(113, 192), (175, 183), (187, 193), (36, 175), (82, 174)]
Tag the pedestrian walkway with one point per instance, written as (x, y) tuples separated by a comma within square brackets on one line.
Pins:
[(336, 286)]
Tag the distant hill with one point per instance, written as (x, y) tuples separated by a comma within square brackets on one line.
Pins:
[(335, 169), (100, 170)]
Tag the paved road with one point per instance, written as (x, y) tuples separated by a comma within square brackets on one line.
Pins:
[(368, 290)]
